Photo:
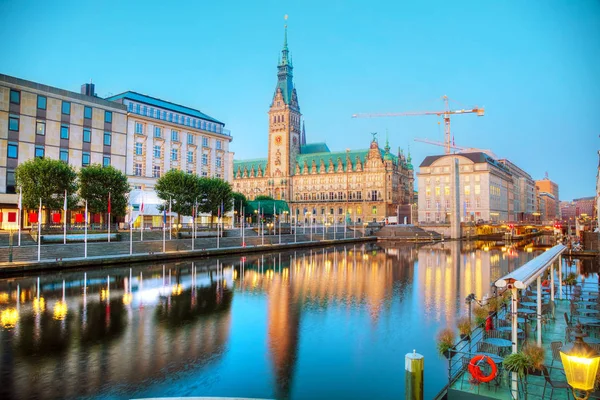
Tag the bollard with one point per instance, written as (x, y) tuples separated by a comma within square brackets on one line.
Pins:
[(414, 366)]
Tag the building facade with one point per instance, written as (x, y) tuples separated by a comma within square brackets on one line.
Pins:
[(42, 121), (546, 185), (162, 136), (321, 185), (484, 186), (522, 201)]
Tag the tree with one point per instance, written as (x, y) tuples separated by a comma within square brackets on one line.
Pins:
[(215, 192), (96, 182), (263, 197), (47, 179), (181, 188)]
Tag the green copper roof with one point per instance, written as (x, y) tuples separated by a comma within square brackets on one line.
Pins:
[(284, 73), (334, 156), (314, 148), (256, 163)]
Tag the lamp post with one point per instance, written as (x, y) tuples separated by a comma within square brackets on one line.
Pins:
[(10, 243), (580, 362)]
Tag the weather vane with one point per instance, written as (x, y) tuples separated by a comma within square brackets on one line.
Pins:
[(374, 136)]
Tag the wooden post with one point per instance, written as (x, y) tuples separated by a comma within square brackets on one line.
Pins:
[(414, 366)]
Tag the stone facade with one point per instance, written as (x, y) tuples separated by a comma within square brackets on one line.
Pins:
[(320, 185)]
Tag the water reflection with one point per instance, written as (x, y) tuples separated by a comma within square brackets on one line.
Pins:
[(330, 322)]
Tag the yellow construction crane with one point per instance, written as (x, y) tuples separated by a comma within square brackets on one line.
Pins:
[(444, 114)]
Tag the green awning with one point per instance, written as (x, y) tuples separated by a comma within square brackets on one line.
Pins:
[(267, 207)]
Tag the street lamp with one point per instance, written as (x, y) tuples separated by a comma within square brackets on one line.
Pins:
[(580, 362)]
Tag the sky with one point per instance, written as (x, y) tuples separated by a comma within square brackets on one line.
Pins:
[(533, 65)]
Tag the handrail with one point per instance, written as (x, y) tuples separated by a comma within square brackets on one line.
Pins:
[(528, 273)]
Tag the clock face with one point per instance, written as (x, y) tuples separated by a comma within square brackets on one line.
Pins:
[(278, 139)]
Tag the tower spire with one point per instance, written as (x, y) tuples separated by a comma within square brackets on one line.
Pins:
[(303, 137), (284, 70)]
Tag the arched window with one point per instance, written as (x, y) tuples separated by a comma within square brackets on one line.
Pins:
[(274, 119)]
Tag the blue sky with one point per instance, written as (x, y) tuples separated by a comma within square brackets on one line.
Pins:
[(533, 65)]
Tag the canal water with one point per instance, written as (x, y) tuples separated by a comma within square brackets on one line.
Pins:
[(331, 322)]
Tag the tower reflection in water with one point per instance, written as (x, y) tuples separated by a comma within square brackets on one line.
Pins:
[(131, 332)]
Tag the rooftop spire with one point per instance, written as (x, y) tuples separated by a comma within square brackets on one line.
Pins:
[(285, 17), (284, 70)]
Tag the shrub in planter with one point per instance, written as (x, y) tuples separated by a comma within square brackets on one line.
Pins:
[(517, 362), (536, 356), (464, 327), (480, 314), (445, 342)]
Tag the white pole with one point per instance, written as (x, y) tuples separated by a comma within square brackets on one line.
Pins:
[(295, 228), (19, 212), (345, 222), (242, 225), (65, 219), (85, 232), (514, 338), (164, 235), (323, 221), (279, 228), (108, 227), (560, 290), (539, 310), (170, 222), (218, 233), (311, 227), (130, 230), (552, 282), (334, 225), (40, 231)]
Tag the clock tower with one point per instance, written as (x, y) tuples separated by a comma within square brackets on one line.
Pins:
[(284, 130)]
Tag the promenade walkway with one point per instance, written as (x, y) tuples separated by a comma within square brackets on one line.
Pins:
[(71, 255)]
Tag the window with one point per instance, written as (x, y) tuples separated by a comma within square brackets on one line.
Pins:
[(427, 217), (87, 112), (437, 191), (477, 188), (174, 136), (137, 169), (174, 154), (157, 132), (41, 102), (477, 202), (190, 138), (108, 117), (156, 151), (447, 204), (13, 150), (139, 128), (428, 204), (64, 155), (15, 97), (64, 131), (66, 108), (374, 210), (218, 162), (467, 190), (427, 191), (85, 159), (107, 138), (105, 161), (204, 159), (13, 123), (10, 181), (219, 144), (204, 173), (87, 135), (40, 128), (204, 141), (190, 156), (39, 151), (447, 190), (138, 149), (156, 171)]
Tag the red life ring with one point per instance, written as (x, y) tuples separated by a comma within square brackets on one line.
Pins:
[(476, 371)]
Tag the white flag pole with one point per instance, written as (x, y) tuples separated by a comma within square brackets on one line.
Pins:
[(142, 223), (40, 231), (65, 219), (130, 230), (109, 205), (85, 231), (164, 233), (170, 221), (19, 212)]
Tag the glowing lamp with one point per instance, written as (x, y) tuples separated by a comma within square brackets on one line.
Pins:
[(580, 362)]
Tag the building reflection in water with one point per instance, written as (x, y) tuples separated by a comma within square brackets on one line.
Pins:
[(126, 328), (95, 332)]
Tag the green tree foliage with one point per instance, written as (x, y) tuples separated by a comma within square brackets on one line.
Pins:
[(96, 182), (263, 197), (215, 192), (46, 179), (181, 188), (239, 198)]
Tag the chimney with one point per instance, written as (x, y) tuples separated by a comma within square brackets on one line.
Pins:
[(88, 89)]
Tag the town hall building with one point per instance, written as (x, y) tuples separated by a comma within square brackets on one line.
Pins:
[(320, 185)]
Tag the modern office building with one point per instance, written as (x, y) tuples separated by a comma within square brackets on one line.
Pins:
[(546, 185), (37, 120), (321, 185), (484, 186)]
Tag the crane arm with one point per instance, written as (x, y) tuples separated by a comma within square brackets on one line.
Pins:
[(479, 111), (436, 143)]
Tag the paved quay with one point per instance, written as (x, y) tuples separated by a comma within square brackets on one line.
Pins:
[(71, 255)]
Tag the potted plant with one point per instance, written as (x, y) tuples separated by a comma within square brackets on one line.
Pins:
[(494, 304), (480, 314), (445, 342), (517, 362), (536, 356), (464, 327), (570, 280)]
